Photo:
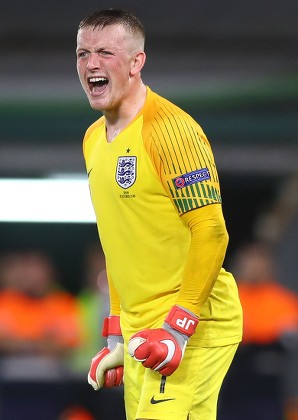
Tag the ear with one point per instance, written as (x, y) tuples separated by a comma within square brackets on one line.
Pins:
[(137, 63)]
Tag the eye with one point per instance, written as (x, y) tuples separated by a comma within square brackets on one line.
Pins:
[(105, 53), (82, 54)]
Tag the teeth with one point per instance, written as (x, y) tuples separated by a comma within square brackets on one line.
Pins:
[(97, 79)]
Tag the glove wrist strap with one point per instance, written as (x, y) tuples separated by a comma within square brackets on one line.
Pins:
[(182, 320), (111, 326)]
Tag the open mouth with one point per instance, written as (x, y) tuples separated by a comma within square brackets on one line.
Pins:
[(97, 84)]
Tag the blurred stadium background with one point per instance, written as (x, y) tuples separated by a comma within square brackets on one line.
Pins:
[(232, 65)]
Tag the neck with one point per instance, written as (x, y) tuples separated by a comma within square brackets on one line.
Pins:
[(119, 119)]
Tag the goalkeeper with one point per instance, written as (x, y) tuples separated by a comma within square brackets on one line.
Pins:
[(175, 318)]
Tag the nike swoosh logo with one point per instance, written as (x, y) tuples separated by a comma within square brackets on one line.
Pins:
[(171, 350), (154, 401)]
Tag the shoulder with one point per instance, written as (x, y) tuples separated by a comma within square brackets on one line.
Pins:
[(91, 133), (93, 127), (167, 123), (163, 117), (159, 108)]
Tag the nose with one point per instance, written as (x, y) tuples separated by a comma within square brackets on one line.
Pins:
[(93, 61)]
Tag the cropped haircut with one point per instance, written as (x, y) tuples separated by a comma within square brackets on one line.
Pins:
[(102, 18)]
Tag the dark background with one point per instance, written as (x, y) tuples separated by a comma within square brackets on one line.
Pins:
[(232, 65)]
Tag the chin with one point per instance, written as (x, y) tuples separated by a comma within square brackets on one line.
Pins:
[(94, 105)]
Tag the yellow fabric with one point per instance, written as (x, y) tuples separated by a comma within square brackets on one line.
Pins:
[(114, 298), (135, 189), (207, 249), (192, 389)]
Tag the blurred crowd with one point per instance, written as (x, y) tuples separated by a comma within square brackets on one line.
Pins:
[(49, 334), (40, 319), (263, 379)]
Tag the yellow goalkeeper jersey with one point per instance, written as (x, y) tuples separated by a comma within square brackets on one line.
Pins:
[(159, 167)]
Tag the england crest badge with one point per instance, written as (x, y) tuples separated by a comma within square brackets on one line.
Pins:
[(126, 171)]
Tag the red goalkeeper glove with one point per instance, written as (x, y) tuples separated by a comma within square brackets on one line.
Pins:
[(106, 368), (162, 349)]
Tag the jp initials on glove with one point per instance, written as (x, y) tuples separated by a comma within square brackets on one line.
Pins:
[(106, 368), (162, 349)]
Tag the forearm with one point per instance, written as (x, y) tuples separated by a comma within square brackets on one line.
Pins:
[(114, 298), (162, 349), (209, 239)]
